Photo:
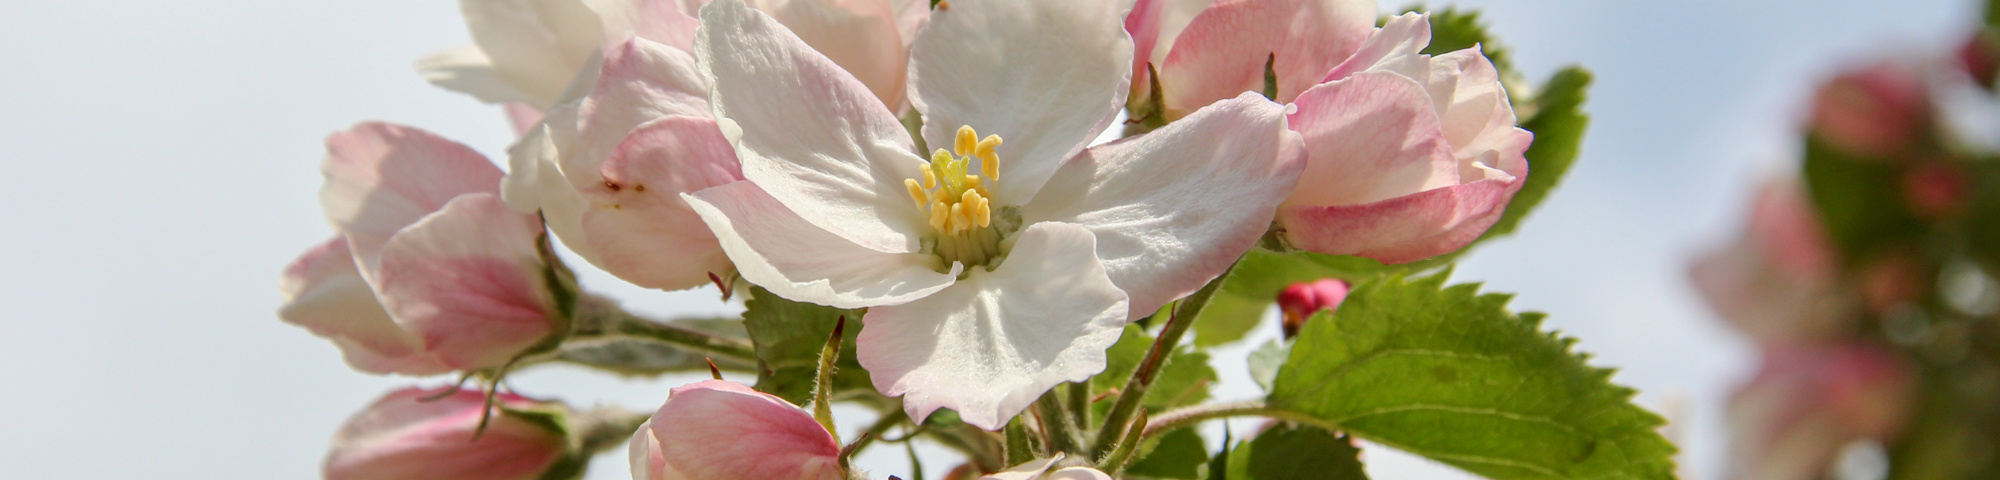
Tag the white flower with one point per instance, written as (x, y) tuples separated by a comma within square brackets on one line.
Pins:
[(992, 271)]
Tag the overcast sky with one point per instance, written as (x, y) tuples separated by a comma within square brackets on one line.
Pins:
[(165, 160)]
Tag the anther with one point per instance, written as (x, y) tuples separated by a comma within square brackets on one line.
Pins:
[(989, 162), (917, 192), (967, 140)]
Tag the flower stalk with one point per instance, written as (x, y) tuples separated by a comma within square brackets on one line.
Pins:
[(1178, 320)]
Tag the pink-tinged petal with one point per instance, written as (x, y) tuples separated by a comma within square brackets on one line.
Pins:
[(1370, 137), (862, 36), (641, 81), (325, 293), (538, 46), (644, 454), (522, 117), (776, 249), (1171, 209), (1779, 282), (997, 340), (466, 70), (1396, 47), (808, 133), (382, 177), (1225, 49), (1402, 229), (1045, 75), (408, 436), (1880, 110), (718, 430), (637, 226), (665, 21), (468, 281)]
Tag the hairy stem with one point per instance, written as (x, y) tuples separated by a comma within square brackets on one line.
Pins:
[(1056, 425), (1178, 321), (597, 317), (1185, 417), (605, 428)]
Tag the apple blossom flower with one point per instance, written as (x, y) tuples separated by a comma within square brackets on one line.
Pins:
[(1779, 282), (1038, 469), (993, 272), (1301, 300), (1879, 111), (1409, 156), (720, 430), (413, 434), (1807, 402), (431, 272), (1211, 50), (607, 169)]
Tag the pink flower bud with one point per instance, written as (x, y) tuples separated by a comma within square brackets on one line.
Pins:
[(431, 271), (720, 430), (1807, 402), (404, 436), (1301, 300), (1878, 111), (1980, 58), (1779, 281)]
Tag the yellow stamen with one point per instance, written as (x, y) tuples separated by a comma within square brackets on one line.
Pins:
[(954, 200), (967, 140), (917, 192), (989, 162)]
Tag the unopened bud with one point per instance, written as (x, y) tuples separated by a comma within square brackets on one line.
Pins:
[(1301, 300)]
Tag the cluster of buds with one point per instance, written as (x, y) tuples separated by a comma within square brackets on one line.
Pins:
[(1868, 281)]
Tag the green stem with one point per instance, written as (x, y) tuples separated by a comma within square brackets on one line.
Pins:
[(599, 317), (1129, 398), (1056, 424), (1185, 417), (1018, 449), (1133, 436), (881, 427), (1079, 403), (976, 444)]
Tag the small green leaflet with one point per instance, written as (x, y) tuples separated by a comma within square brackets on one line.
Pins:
[(1450, 374), (1178, 454), (645, 358)]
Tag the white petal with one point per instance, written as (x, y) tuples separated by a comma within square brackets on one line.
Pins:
[(1030, 470), (994, 342), (467, 70), (807, 132), (536, 45), (776, 249), (1045, 75), (663, 21), (1171, 209), (1396, 47)]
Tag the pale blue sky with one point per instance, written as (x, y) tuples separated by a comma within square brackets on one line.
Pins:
[(166, 162)]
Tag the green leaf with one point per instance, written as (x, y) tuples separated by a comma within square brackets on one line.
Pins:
[(1178, 454), (1450, 374), (1558, 124), (1184, 380), (1291, 452), (789, 336), (1453, 29), (1265, 361), (1218, 466), (646, 358)]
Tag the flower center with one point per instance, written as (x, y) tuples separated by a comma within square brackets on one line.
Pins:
[(959, 202)]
